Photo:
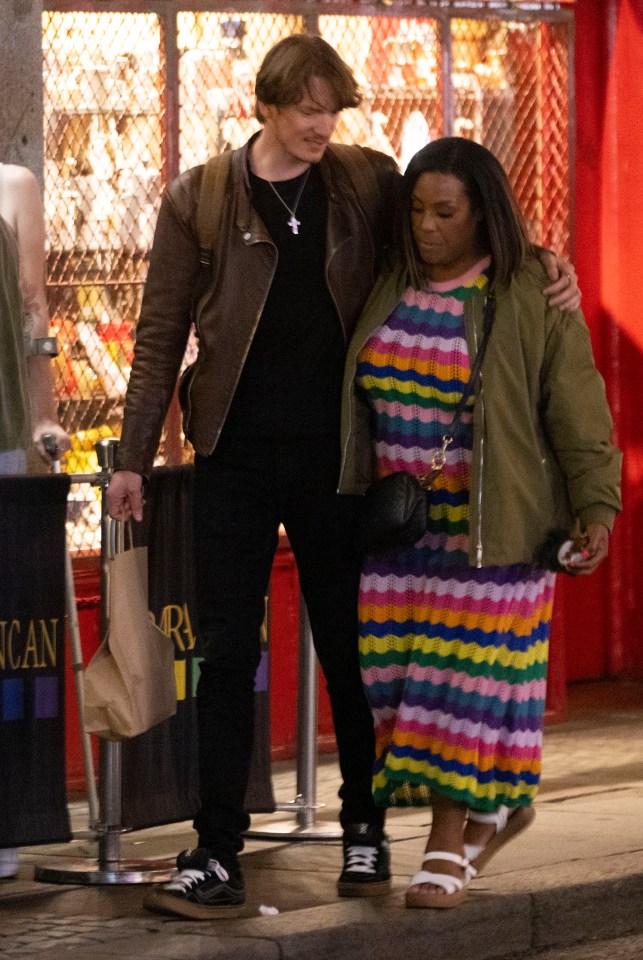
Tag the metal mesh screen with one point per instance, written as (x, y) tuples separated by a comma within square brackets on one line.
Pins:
[(510, 94), (398, 64), (107, 140), (103, 78), (508, 91), (220, 54)]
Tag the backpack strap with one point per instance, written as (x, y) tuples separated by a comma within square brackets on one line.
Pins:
[(214, 183), (216, 171), (211, 196), (363, 178)]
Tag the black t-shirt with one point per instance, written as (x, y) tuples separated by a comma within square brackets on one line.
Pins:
[(290, 384)]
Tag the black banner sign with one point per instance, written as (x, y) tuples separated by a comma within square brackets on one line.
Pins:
[(32, 660), (160, 768)]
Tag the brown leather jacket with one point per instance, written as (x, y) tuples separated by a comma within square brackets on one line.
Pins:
[(229, 311)]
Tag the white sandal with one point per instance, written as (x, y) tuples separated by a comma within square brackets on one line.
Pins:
[(508, 823), (455, 888)]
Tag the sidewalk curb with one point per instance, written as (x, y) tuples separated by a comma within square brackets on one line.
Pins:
[(489, 925), (600, 909)]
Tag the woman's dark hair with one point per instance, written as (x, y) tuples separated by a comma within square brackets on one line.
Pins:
[(502, 229), (289, 66)]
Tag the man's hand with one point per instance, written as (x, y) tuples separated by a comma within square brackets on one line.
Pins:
[(564, 291), (594, 550), (125, 496)]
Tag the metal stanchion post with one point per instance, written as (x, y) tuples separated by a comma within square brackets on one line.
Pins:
[(307, 717), (110, 868), (305, 803), (109, 751)]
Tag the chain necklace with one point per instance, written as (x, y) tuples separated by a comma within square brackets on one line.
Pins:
[(292, 222)]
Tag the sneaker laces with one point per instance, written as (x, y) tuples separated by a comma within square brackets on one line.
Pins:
[(361, 859), (191, 877)]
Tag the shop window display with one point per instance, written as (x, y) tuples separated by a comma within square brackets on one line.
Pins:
[(219, 58), (103, 129), (109, 142)]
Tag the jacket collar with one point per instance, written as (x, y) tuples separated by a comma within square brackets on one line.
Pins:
[(246, 217)]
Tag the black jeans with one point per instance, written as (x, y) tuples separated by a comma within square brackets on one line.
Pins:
[(242, 493)]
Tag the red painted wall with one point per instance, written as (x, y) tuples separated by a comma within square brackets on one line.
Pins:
[(87, 584), (599, 617), (284, 660)]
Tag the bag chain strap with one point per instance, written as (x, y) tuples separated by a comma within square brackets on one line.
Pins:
[(439, 458)]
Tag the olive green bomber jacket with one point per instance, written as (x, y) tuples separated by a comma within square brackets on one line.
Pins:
[(542, 453), (14, 380)]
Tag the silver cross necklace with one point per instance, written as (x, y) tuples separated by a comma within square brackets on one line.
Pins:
[(292, 222)]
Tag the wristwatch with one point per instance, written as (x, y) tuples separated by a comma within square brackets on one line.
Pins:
[(41, 347)]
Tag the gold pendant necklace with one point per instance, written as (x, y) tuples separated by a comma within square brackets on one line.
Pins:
[(292, 222)]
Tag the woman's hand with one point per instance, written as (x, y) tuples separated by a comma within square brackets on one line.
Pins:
[(564, 291), (58, 441), (594, 551)]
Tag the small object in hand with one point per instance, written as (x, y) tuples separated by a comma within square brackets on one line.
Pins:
[(573, 551), (50, 445), (560, 551)]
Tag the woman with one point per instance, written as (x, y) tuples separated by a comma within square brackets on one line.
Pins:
[(454, 630), (27, 402)]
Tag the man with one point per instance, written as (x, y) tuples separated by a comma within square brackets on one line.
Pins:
[(300, 236), (27, 403)]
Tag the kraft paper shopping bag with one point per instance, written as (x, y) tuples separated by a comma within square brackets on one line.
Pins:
[(130, 682)]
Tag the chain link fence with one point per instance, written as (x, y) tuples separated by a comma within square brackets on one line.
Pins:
[(112, 141)]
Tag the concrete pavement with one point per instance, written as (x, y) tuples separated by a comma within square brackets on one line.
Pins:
[(576, 875)]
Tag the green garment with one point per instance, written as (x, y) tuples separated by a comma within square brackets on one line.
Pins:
[(542, 451), (14, 396)]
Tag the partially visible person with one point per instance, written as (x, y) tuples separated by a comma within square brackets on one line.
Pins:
[(454, 630), (27, 403)]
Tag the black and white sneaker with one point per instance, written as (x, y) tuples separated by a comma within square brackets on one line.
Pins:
[(203, 888), (367, 864)]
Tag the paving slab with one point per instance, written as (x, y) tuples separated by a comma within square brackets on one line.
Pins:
[(575, 876)]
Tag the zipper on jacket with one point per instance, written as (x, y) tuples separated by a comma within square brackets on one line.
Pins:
[(332, 295), (479, 525), (333, 198), (349, 432), (186, 379), (478, 546)]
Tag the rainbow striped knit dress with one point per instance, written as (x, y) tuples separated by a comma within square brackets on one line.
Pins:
[(454, 658)]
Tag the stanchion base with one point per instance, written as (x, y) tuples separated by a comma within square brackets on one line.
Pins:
[(292, 831), (86, 871)]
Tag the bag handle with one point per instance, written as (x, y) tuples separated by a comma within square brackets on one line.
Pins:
[(214, 183), (124, 539), (439, 458)]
